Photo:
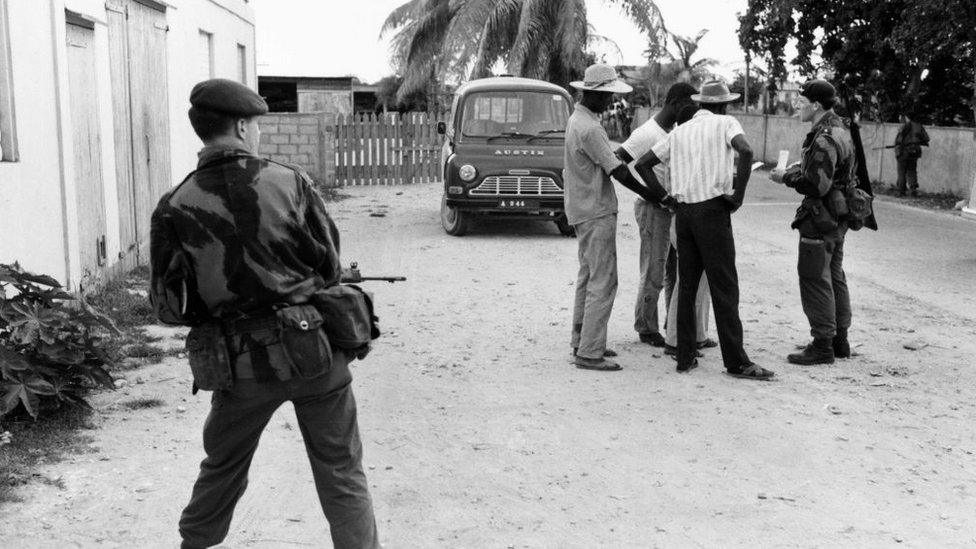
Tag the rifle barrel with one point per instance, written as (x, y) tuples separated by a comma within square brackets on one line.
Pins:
[(386, 278)]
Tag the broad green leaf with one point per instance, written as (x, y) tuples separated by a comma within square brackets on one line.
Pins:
[(13, 361), (10, 398), (38, 385)]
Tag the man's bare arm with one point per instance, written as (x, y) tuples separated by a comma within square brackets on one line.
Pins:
[(743, 170), (622, 174), (644, 168)]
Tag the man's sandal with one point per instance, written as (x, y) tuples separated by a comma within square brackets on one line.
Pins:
[(600, 364), (606, 352), (752, 371)]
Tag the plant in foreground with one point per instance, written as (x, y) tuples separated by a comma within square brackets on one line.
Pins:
[(50, 344)]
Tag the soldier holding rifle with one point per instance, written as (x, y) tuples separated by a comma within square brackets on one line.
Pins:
[(244, 252)]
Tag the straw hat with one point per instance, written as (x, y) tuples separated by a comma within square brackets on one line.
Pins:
[(602, 78), (714, 91)]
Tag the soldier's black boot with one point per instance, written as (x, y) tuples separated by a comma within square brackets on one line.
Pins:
[(820, 351), (842, 348)]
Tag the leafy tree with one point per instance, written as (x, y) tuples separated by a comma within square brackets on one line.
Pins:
[(697, 71), (738, 85), (386, 96), (894, 55), (434, 40)]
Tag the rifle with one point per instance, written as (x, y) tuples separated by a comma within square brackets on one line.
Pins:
[(353, 276), (883, 147), (863, 179)]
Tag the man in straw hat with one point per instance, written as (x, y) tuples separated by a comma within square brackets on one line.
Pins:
[(700, 154), (591, 207)]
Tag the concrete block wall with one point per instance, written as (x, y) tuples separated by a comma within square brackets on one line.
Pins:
[(304, 139)]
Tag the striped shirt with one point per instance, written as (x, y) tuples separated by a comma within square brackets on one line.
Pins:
[(700, 158)]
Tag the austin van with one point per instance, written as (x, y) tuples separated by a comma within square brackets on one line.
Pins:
[(503, 152)]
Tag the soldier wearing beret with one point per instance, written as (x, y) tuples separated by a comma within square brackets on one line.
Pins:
[(237, 251), (825, 176)]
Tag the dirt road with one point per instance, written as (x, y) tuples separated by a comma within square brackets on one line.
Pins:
[(479, 433)]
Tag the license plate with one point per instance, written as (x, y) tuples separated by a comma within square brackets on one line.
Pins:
[(518, 203)]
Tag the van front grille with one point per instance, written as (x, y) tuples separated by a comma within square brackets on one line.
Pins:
[(517, 185)]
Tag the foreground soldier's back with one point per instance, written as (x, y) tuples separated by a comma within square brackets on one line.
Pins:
[(238, 250)]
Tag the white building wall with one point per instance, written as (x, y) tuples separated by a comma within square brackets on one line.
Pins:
[(31, 208), (231, 22), (38, 204)]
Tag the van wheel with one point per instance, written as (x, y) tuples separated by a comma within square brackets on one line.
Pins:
[(564, 227), (454, 221)]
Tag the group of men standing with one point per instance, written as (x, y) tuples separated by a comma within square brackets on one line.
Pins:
[(690, 165)]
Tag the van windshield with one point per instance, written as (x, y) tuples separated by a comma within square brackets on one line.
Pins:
[(514, 114)]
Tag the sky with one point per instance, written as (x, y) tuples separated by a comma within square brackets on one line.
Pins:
[(341, 37)]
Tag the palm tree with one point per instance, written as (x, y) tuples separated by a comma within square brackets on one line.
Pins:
[(697, 72), (546, 39)]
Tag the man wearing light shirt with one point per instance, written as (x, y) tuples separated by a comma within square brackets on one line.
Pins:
[(701, 156), (653, 221)]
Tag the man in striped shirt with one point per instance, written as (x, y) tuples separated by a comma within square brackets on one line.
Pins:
[(653, 221), (701, 156)]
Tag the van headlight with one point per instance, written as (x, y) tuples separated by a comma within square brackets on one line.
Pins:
[(467, 172)]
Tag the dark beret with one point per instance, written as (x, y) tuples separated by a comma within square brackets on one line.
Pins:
[(227, 96), (819, 91)]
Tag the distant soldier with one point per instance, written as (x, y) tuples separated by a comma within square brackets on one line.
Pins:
[(825, 176), (908, 149), (238, 250)]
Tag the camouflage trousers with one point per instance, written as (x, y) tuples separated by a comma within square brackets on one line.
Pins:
[(326, 413), (823, 284)]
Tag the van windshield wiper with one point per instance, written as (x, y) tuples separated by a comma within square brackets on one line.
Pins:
[(512, 134), (546, 133)]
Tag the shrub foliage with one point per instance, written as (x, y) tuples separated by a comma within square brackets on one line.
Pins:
[(50, 344)]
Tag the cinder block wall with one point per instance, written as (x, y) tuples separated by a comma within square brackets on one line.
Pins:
[(304, 139)]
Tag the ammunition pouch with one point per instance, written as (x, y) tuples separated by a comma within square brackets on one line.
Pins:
[(304, 341), (209, 358), (291, 339), (860, 206), (348, 314), (813, 218)]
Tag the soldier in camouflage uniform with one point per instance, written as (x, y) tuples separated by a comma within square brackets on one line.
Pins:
[(253, 238), (824, 176)]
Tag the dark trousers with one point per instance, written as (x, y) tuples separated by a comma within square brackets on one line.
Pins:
[(326, 413), (823, 284), (705, 243), (907, 174)]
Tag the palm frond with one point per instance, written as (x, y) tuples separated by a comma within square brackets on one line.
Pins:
[(497, 36), (406, 12), (647, 16)]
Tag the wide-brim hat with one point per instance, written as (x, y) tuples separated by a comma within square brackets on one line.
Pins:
[(715, 91), (601, 78)]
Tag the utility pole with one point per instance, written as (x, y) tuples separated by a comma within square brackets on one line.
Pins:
[(746, 87)]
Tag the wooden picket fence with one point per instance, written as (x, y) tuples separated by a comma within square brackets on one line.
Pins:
[(388, 149)]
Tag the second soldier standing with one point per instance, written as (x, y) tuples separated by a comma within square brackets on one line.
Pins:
[(825, 177)]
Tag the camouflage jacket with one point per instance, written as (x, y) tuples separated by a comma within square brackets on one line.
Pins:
[(827, 161), (255, 234), (910, 140)]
